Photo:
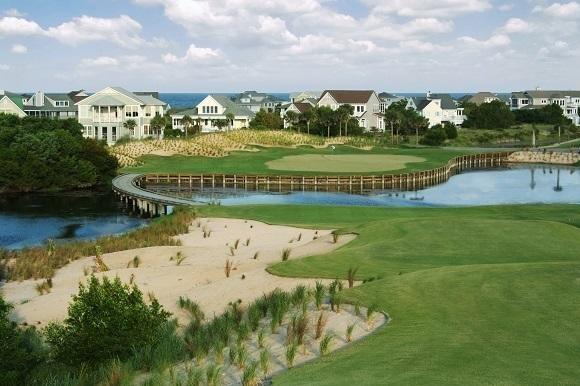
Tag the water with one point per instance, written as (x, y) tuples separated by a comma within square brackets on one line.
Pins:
[(29, 220), (189, 100), (516, 185)]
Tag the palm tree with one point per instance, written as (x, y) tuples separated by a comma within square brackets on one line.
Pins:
[(230, 118), (198, 124), (308, 116), (157, 124), (393, 118), (130, 125), (345, 112), (221, 123), (187, 122)]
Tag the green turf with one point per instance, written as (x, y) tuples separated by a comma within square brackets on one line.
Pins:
[(243, 162), (485, 295)]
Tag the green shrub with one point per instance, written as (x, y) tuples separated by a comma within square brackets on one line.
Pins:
[(105, 320)]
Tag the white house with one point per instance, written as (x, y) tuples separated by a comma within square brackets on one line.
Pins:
[(51, 105), (215, 108), (366, 105), (297, 108), (387, 99), (569, 101), (11, 103), (438, 109), (104, 113), (256, 101)]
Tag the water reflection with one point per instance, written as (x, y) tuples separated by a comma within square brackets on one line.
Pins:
[(516, 185), (28, 220)]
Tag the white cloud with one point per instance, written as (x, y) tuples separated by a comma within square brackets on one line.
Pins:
[(569, 10), (194, 54), (101, 61), (429, 8), (19, 49), (4, 67), (506, 7), (123, 30), (423, 47), (494, 41), (516, 25), (11, 25)]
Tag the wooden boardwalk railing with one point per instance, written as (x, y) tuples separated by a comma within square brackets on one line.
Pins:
[(354, 183)]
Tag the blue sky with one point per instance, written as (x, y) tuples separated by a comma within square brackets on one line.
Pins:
[(277, 46)]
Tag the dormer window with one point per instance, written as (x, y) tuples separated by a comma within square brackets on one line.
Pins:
[(61, 103)]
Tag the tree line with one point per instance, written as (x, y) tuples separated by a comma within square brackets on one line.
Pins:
[(47, 154)]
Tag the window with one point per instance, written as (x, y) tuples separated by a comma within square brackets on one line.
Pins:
[(146, 130), (61, 103), (360, 109), (104, 133), (114, 134), (88, 131)]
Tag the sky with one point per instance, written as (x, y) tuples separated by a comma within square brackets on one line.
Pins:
[(291, 45)]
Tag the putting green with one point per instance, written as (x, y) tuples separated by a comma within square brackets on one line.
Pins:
[(347, 163)]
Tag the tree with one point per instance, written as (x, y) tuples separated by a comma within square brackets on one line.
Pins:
[(221, 123), (450, 130), (267, 121), (106, 319), (291, 117), (157, 125), (308, 116), (187, 123), (345, 112), (435, 136), (130, 125), (230, 118), (550, 114), (20, 351), (492, 115)]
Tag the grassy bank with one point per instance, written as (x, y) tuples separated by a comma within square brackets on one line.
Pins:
[(477, 295), (41, 262), (243, 162)]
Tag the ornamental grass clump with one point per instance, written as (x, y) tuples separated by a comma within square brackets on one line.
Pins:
[(192, 308), (134, 263), (291, 351), (228, 267), (320, 325), (250, 374), (178, 258), (299, 295), (349, 331), (265, 361), (44, 287), (325, 344), (286, 254), (319, 292), (213, 375), (351, 274)]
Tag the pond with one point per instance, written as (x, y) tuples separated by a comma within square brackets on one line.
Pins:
[(518, 184), (31, 219)]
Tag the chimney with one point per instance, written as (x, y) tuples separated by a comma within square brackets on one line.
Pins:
[(428, 94), (39, 99)]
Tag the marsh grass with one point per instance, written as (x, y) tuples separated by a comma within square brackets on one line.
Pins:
[(192, 308), (178, 258), (371, 311), (35, 262), (261, 338), (286, 254), (44, 287), (213, 375), (194, 376)]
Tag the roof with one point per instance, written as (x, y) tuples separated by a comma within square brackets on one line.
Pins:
[(447, 103), (481, 97), (552, 93), (231, 107), (107, 100), (303, 107), (16, 99), (350, 96), (145, 99), (386, 95)]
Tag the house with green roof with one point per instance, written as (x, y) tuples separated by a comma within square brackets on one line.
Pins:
[(11, 103), (215, 113), (104, 114), (438, 109)]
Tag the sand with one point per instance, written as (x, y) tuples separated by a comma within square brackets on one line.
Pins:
[(200, 276)]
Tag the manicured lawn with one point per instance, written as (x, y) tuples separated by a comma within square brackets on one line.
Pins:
[(255, 162), (343, 163), (485, 295)]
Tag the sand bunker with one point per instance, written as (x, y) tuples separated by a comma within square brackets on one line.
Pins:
[(346, 163), (200, 276)]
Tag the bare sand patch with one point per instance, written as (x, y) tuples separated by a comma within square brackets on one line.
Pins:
[(200, 276)]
